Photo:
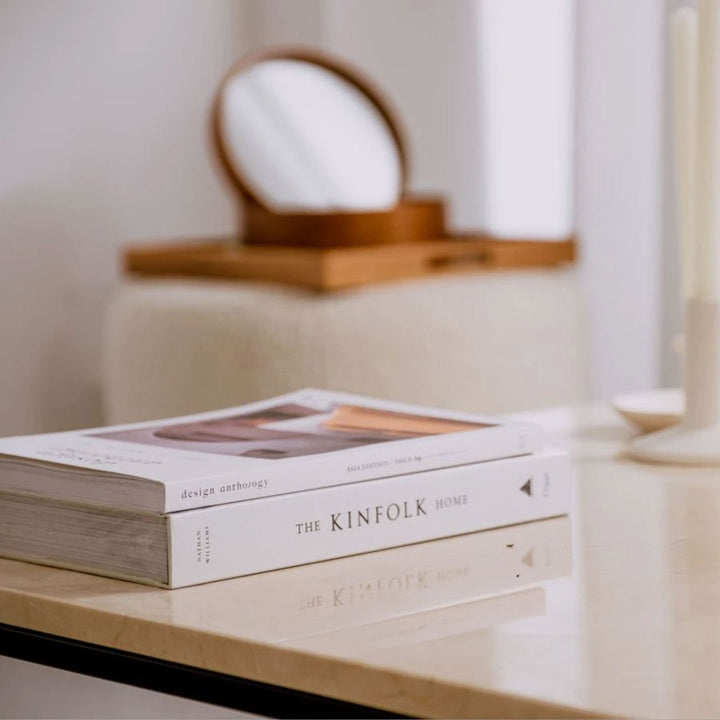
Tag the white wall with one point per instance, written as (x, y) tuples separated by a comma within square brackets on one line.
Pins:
[(620, 187), (103, 139)]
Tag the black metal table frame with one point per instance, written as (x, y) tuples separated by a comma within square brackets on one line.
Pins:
[(175, 679)]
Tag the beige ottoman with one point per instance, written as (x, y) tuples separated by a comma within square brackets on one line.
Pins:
[(495, 342)]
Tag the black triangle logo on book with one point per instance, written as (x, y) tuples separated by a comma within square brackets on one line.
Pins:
[(527, 487)]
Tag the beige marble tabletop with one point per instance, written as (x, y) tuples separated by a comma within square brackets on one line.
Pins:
[(615, 611)]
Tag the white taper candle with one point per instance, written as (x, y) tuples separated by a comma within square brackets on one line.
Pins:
[(683, 41), (707, 185)]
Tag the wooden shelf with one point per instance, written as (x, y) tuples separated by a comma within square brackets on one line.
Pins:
[(327, 269)]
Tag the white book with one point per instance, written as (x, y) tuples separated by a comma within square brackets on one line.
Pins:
[(300, 441), (214, 543)]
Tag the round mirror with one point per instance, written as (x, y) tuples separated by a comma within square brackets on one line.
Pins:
[(298, 132)]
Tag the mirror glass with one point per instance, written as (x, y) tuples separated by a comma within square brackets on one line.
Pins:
[(302, 137)]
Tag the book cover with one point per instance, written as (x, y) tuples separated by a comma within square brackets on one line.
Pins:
[(303, 440)]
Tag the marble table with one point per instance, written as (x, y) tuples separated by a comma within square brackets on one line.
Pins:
[(613, 611)]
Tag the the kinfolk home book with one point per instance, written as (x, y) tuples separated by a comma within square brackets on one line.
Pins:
[(223, 541), (301, 441)]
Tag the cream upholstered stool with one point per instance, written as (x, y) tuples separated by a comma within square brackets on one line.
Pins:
[(495, 342)]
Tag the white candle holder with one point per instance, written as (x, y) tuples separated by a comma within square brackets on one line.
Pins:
[(696, 441)]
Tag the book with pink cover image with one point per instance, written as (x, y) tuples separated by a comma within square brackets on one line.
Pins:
[(303, 440)]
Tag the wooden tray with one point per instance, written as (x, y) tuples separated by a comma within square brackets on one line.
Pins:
[(337, 268)]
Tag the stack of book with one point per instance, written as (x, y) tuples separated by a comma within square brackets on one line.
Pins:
[(300, 478)]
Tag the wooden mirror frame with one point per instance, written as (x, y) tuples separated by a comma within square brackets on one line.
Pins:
[(234, 171), (411, 220)]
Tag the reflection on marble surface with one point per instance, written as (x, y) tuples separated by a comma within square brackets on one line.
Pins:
[(416, 628), (470, 626)]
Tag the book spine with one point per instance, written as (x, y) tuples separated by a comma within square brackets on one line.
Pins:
[(378, 460), (249, 537)]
